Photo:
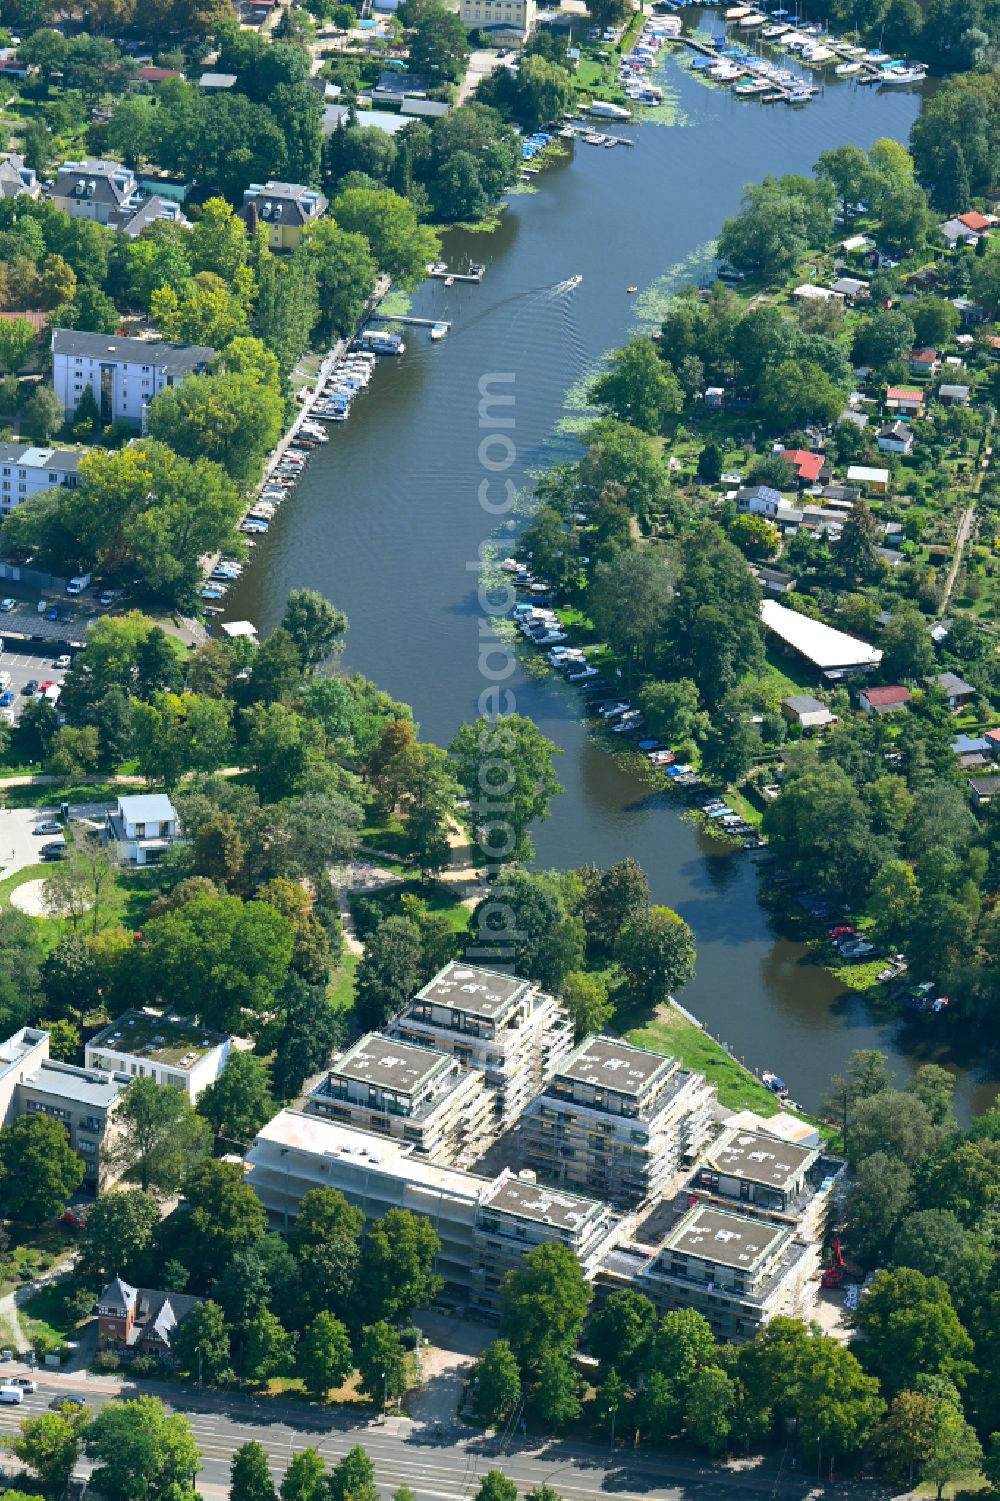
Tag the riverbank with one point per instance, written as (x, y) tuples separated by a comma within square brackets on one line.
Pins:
[(387, 523)]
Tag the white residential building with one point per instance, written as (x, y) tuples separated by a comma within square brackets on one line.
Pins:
[(105, 191), (515, 1033), (170, 1049), (617, 1121), (26, 469), (414, 1094), (142, 828), (512, 20), (17, 180), (123, 374)]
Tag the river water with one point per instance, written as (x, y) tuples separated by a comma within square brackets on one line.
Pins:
[(387, 522)]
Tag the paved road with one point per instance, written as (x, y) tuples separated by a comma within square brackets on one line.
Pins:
[(446, 1468)]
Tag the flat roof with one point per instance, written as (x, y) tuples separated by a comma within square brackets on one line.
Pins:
[(389, 1064), (467, 987), (164, 1039), (314, 1135), (734, 1240), (868, 475), (819, 643), (610, 1064), (759, 1158), (84, 1086), (542, 1205), (147, 807)]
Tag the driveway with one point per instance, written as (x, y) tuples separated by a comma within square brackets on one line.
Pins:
[(20, 846)]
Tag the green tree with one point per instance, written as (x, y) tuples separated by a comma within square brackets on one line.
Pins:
[(305, 1478), (639, 388), (345, 274), (223, 1216), (731, 743), (142, 1452), (159, 1136), (353, 1478), (630, 603), (899, 1124), (585, 997), (50, 1444), (495, 1486), (505, 766), (400, 244), (267, 1347), (250, 1474), (849, 171), (383, 1368), (43, 415), (201, 1345), (497, 1383), (387, 976), (710, 1407), (554, 1400), (877, 1203), (656, 953), (620, 1331), (118, 1231), (397, 1265), (314, 624), (673, 712), (439, 46), (421, 782), (857, 551), (544, 1303), (232, 419), (239, 1102), (324, 1358), (526, 920), (178, 733), (17, 339), (710, 464), (39, 1171), (910, 1327)]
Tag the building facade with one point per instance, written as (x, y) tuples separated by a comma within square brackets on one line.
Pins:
[(141, 1320), (85, 1100), (122, 374), (516, 1214), (738, 1270), (414, 1094), (505, 20), (142, 828), (17, 180), (506, 1027), (783, 1181), (26, 469), (285, 209), (170, 1049), (105, 191), (617, 1121)]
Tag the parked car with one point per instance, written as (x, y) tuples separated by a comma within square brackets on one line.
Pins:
[(61, 1400), (52, 613), (53, 846), (63, 661), (108, 597), (30, 687), (24, 1382), (50, 826), (6, 605), (11, 1395), (7, 697)]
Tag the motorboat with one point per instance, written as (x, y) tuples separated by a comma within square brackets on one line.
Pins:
[(439, 331), (845, 70)]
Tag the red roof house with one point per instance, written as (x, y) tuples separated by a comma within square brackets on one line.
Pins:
[(807, 465), (976, 222), (884, 700)]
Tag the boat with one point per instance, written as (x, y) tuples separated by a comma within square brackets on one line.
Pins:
[(902, 75), (631, 290), (773, 1083), (845, 70), (439, 331)]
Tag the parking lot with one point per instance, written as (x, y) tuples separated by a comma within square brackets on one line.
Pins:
[(27, 661)]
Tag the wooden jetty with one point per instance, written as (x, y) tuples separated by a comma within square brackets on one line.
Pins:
[(476, 274), (413, 322)]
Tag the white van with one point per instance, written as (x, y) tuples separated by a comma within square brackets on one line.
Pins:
[(11, 1394)]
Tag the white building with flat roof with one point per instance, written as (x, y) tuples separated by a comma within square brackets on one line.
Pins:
[(514, 1032), (27, 468), (171, 1049)]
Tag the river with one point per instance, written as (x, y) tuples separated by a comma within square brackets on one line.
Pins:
[(387, 519)]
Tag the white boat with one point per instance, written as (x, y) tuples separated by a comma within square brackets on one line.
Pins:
[(844, 70), (439, 331), (903, 75)]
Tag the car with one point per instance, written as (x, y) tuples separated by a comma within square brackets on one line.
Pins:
[(63, 1400), (24, 1382), (108, 597), (73, 1219), (45, 686), (7, 697), (63, 661), (842, 930), (50, 826), (6, 605), (58, 852), (52, 613), (55, 847), (30, 687)]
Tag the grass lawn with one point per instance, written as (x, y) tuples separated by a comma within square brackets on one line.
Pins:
[(437, 897), (21, 878), (738, 1089), (48, 795), (342, 990), (46, 1315)]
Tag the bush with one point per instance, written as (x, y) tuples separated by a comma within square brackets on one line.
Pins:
[(107, 1362), (145, 1365)]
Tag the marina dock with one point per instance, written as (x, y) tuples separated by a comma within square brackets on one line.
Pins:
[(442, 273), (411, 322)]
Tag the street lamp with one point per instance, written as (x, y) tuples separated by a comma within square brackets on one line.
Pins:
[(385, 1391)]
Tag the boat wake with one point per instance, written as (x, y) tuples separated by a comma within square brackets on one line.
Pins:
[(562, 287)]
